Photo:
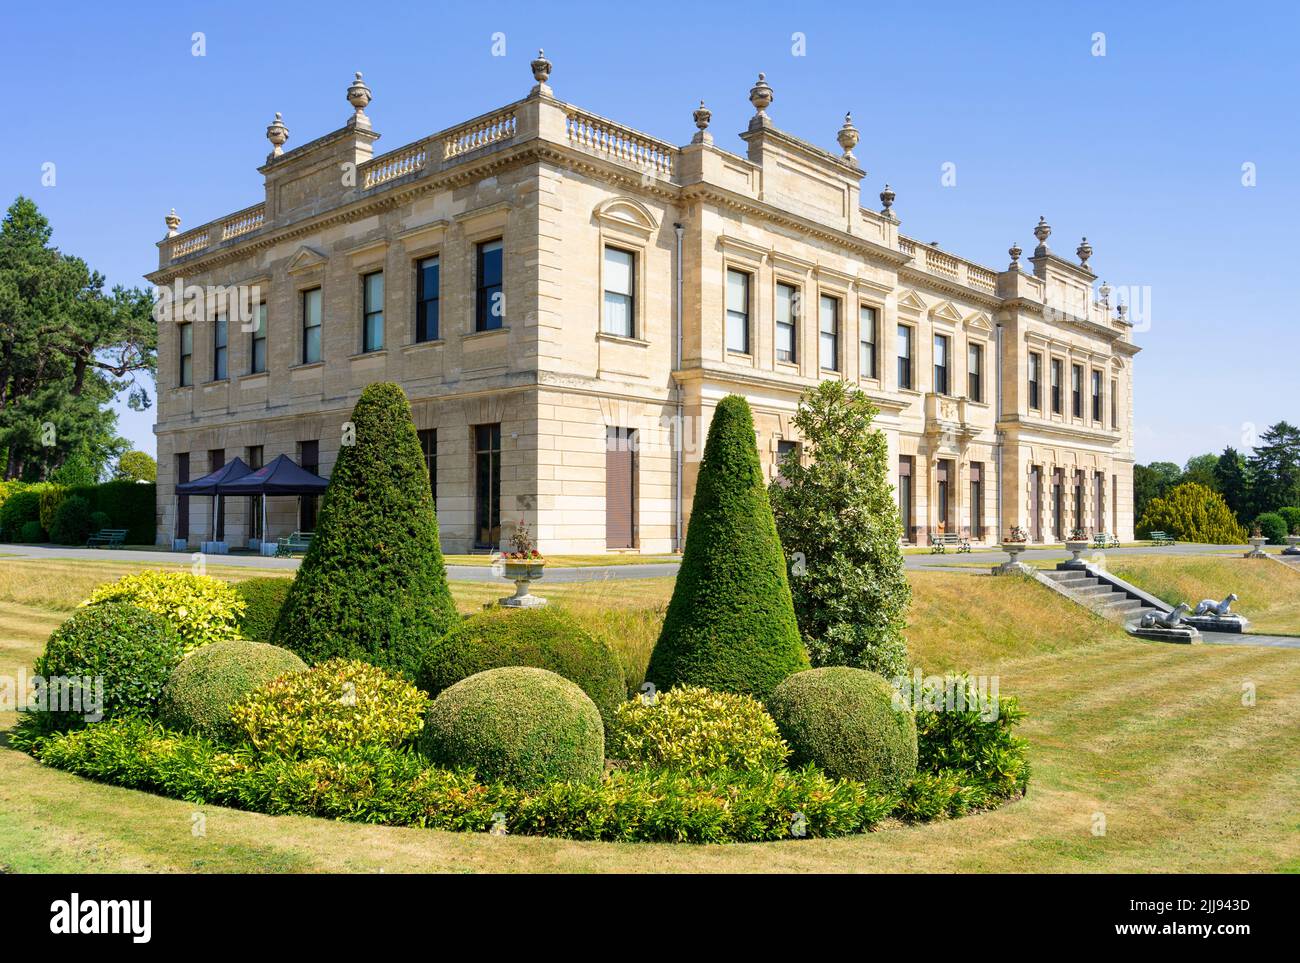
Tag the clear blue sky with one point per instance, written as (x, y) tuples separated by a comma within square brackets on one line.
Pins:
[(1141, 150)]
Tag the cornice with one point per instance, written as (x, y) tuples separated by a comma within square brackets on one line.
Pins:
[(918, 278)]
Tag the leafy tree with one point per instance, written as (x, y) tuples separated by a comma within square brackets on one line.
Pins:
[(730, 624), (1152, 481), (1231, 481), (1274, 468), (1192, 513), (373, 585), (136, 466), (1200, 469), (67, 348), (838, 521), (79, 468)]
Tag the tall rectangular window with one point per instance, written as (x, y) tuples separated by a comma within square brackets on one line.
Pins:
[(943, 473), (867, 342), (220, 341), (309, 459), (253, 457), (183, 501), (828, 311), (428, 290), (977, 499), (620, 283), (257, 352), (1078, 499), (787, 323), (1057, 372), (429, 446), (1035, 381), (975, 372), (785, 449), (941, 363), (216, 460), (311, 326), (489, 301), (487, 485), (372, 312), (1076, 391), (620, 487), (906, 466), (737, 312), (905, 356), (1114, 403), (1096, 396), (186, 337)]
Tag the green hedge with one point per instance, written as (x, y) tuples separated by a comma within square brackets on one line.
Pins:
[(263, 599), (1273, 526), (1291, 516), (128, 505), (959, 729)]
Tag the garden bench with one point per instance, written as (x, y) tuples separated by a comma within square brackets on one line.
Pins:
[(298, 542), (1104, 540), (107, 538), (939, 544), (1162, 538)]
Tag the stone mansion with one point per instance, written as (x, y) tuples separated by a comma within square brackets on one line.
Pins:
[(565, 300)]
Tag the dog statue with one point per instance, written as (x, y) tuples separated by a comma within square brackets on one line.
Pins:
[(1217, 609)]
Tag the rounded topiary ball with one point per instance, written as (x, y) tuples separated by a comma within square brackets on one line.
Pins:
[(131, 650), (200, 691), (543, 638), (844, 721), (522, 726)]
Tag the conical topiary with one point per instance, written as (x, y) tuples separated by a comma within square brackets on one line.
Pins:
[(731, 623), (373, 585)]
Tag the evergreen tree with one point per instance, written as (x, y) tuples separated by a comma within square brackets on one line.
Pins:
[(838, 521), (1230, 480), (373, 585), (1192, 513), (731, 623), (1152, 481), (1200, 469), (1274, 469)]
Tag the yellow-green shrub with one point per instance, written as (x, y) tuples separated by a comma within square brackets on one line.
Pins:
[(339, 705), (200, 608)]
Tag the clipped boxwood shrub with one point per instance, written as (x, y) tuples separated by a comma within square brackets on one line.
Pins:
[(1291, 516), (696, 730), (522, 726), (1273, 527), (730, 624), (373, 585), (844, 720), (31, 532), (132, 650), (22, 506), (263, 599), (544, 638), (961, 730), (100, 521), (71, 521), (340, 705), (201, 689), (202, 609)]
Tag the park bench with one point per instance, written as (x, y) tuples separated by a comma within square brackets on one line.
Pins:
[(298, 542), (1104, 540), (107, 538), (1162, 538), (939, 544)]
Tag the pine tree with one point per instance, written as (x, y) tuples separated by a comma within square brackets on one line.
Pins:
[(731, 623), (1274, 468), (1230, 479), (838, 521), (373, 585)]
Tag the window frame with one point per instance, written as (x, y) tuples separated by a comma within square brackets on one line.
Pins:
[(836, 334), (629, 295), (258, 334), (1076, 391), (728, 311), (485, 293), (796, 301), (185, 367), (305, 299), (906, 362), (1098, 409), (426, 332), (1056, 385), (975, 372), (369, 312), (1035, 376), (874, 343), (220, 346), (945, 368)]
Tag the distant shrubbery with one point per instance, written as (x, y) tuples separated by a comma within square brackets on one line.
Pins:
[(114, 504), (1273, 527), (200, 608), (1192, 513)]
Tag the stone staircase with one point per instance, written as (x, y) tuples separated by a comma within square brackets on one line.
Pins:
[(1104, 594)]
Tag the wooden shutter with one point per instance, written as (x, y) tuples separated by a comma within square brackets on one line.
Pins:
[(620, 482)]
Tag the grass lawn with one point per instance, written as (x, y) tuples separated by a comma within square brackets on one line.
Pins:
[(1154, 737), (1268, 593)]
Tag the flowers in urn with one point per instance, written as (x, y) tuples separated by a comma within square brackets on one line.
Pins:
[(525, 549), (1078, 535), (1018, 535)]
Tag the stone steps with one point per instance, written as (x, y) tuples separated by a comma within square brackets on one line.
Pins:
[(1101, 597)]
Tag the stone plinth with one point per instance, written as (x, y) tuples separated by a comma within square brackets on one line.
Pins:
[(1218, 623), (1257, 548), (1076, 550), (523, 574), (1292, 545), (1014, 566), (1182, 634)]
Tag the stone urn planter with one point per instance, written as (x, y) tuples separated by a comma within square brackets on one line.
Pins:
[(1076, 547), (523, 572), (1257, 543), (1292, 545), (1014, 566)]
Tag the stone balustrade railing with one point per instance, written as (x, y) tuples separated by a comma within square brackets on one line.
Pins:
[(493, 129), (394, 164), (620, 143), (941, 263), (948, 266), (906, 246), (186, 244), (981, 278), (245, 222)]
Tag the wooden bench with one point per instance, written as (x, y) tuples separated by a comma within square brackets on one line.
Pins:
[(107, 538), (298, 542), (1162, 538), (1104, 540), (939, 544)]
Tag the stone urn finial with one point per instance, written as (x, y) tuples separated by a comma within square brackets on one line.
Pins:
[(1084, 250), (760, 95), (848, 138), (541, 72), (1121, 309), (1015, 252), (173, 223), (277, 134), (1104, 293), (1042, 231), (359, 97), (702, 116), (887, 203)]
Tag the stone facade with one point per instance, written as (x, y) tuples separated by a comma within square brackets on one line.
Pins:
[(601, 423)]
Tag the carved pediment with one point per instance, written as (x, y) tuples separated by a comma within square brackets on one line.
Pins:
[(946, 311), (911, 301), (305, 259), (979, 321), (627, 213)]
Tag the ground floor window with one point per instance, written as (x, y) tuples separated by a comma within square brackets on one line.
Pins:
[(977, 499), (254, 459), (309, 459), (1058, 505), (1036, 503), (943, 474), (906, 466), (487, 486), (1099, 483), (183, 502), (1078, 500), (784, 449), (429, 446), (620, 488), (216, 460)]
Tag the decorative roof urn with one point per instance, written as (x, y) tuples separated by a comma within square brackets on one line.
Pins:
[(541, 73), (1042, 231), (173, 223), (887, 203), (1015, 252), (1084, 250), (848, 139), (277, 134), (702, 117), (359, 97), (1104, 293), (760, 95)]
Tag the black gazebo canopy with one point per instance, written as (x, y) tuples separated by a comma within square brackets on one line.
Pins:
[(207, 485), (281, 476)]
